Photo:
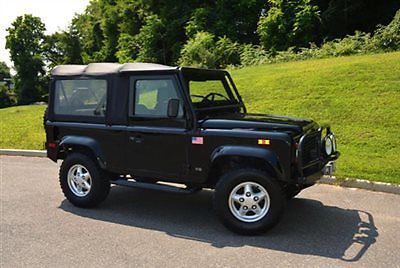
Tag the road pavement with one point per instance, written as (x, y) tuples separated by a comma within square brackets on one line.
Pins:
[(325, 226)]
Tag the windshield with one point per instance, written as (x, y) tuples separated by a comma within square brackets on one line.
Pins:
[(210, 91)]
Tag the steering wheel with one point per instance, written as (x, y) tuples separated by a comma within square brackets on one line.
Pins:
[(211, 97)]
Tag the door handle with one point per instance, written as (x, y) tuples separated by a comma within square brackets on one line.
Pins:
[(136, 139)]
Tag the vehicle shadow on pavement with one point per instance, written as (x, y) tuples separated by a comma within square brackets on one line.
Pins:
[(308, 227)]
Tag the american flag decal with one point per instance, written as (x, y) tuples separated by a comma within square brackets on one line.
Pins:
[(197, 140)]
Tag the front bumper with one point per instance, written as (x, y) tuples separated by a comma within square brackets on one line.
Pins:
[(329, 168), (312, 169)]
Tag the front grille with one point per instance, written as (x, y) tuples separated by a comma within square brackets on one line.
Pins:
[(311, 148)]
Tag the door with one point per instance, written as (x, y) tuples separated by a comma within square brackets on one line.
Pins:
[(157, 144)]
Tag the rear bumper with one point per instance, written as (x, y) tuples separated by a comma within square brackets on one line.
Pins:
[(52, 150)]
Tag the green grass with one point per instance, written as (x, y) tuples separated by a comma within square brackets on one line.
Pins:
[(22, 127), (359, 96)]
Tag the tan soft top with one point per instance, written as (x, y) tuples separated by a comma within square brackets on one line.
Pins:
[(107, 68)]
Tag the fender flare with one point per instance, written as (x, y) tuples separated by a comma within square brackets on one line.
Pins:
[(270, 158), (85, 142)]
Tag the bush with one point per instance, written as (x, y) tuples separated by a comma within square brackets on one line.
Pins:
[(7, 98), (204, 52), (227, 52), (199, 51), (253, 55), (387, 38)]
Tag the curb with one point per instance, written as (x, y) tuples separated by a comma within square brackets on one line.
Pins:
[(348, 183), (362, 184), (31, 153)]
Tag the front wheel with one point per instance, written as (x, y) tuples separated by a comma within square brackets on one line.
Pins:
[(248, 201), (82, 181)]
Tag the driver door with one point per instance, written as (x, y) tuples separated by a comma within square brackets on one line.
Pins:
[(157, 144)]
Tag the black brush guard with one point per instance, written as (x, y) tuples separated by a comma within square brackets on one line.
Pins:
[(312, 158)]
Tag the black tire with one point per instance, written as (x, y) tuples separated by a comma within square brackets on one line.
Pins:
[(291, 191), (227, 184), (100, 185)]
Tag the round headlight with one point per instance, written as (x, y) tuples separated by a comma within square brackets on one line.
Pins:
[(334, 142), (328, 145)]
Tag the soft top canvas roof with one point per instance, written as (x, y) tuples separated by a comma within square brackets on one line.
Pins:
[(107, 68)]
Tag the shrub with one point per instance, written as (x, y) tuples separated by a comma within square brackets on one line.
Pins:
[(199, 51), (7, 98), (253, 55), (387, 38), (203, 51), (227, 52)]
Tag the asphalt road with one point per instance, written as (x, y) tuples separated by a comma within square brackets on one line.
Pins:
[(324, 226)]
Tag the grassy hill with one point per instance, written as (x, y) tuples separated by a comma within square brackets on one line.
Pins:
[(359, 96), (21, 127)]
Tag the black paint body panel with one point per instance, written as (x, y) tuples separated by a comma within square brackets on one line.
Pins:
[(163, 149)]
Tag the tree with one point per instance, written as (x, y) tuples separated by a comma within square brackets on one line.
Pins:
[(25, 41), (5, 99), (343, 17), (63, 48), (142, 30), (288, 23), (4, 71)]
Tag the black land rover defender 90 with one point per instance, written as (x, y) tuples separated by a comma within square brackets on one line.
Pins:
[(149, 125)]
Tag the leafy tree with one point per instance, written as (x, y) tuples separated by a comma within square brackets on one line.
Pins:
[(156, 30), (5, 98), (288, 23), (4, 71), (63, 48), (343, 17), (150, 41), (127, 48), (91, 35), (199, 21), (25, 41)]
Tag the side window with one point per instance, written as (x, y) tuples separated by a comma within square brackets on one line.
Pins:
[(81, 97), (151, 97)]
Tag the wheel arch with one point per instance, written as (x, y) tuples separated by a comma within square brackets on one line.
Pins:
[(81, 144), (232, 157)]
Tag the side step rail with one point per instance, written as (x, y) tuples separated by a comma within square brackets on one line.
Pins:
[(154, 186)]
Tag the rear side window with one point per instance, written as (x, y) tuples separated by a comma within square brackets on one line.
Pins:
[(84, 97)]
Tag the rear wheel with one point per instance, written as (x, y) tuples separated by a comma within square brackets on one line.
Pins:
[(248, 201), (82, 181)]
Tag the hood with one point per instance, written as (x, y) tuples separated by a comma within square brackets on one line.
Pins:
[(261, 122)]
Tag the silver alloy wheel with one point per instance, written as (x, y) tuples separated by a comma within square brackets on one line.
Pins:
[(249, 201), (79, 180)]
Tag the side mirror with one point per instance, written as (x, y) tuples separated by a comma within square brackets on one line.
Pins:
[(173, 108)]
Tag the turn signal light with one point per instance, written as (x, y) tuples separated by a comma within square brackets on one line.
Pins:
[(263, 142)]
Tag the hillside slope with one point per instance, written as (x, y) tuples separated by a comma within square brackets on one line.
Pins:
[(359, 96)]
